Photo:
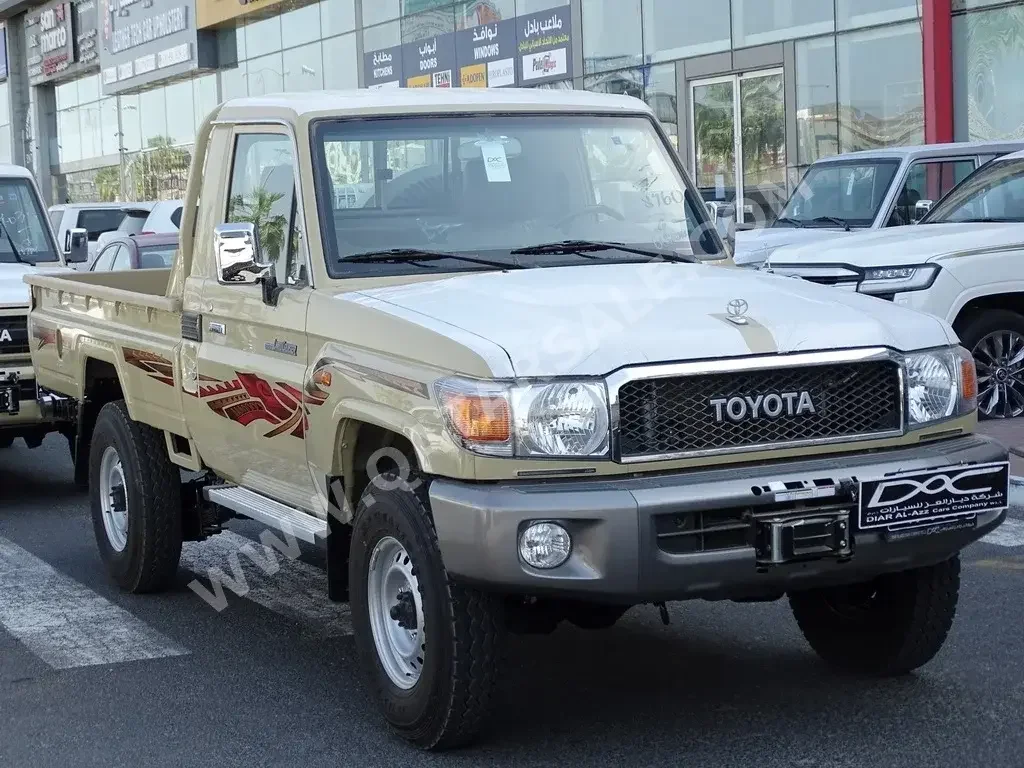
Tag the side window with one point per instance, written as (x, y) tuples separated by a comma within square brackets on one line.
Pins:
[(176, 217), (927, 181), (262, 193), (122, 259), (55, 219), (105, 259)]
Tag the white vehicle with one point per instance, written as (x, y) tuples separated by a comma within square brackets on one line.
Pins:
[(96, 219), (962, 263), (876, 189), (148, 218), (27, 244)]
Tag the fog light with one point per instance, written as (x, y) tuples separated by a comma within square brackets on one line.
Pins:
[(545, 545)]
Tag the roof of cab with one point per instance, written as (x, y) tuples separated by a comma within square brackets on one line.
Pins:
[(378, 101), (16, 171)]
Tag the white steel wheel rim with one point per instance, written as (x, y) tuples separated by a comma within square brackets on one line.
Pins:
[(114, 499), (396, 613)]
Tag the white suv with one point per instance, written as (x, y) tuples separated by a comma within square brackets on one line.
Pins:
[(962, 263)]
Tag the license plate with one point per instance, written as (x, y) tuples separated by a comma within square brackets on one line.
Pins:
[(933, 500), (9, 401)]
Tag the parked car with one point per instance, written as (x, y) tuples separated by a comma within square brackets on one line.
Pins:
[(875, 189), (27, 244), (556, 410), (962, 263), (135, 252), (147, 218), (95, 218)]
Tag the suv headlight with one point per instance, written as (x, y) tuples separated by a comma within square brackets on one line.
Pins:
[(918, 277), (941, 384), (565, 419)]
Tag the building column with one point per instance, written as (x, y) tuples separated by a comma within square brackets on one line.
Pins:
[(937, 34), (18, 90)]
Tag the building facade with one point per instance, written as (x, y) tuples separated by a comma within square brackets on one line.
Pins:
[(102, 98)]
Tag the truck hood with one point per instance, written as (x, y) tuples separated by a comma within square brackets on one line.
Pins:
[(13, 290), (591, 320), (913, 244), (754, 245)]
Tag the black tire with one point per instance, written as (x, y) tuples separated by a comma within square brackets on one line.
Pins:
[(149, 561), (594, 615), (977, 328), (6, 441), (464, 627), (889, 627)]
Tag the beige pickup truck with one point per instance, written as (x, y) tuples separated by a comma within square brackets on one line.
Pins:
[(481, 345)]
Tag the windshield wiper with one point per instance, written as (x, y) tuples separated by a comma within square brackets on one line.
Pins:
[(412, 255), (834, 220), (586, 247), (792, 222), (14, 250)]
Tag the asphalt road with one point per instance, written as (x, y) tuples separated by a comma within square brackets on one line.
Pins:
[(93, 677)]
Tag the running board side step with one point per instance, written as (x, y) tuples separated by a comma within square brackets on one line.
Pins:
[(271, 513)]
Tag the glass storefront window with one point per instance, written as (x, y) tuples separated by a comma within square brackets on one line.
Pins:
[(424, 25), (612, 35), (817, 126), (88, 89), (153, 112), (301, 25), (987, 61), (756, 22), (66, 95), (851, 14), (341, 65), (5, 105), (304, 68), (337, 16), (109, 139), (131, 123), (5, 145), (262, 36), (881, 90), (204, 94), (660, 94), (524, 7), (473, 13), (677, 29), (233, 82), (265, 75), (382, 36), (181, 116), (69, 141), (89, 125), (377, 11)]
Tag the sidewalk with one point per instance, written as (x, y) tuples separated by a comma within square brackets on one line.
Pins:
[(1010, 432)]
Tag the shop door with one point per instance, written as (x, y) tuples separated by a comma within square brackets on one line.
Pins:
[(739, 144)]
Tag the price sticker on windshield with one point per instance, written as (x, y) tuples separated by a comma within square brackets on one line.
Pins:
[(495, 162)]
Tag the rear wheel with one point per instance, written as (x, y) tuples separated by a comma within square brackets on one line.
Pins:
[(430, 646), (135, 494), (889, 626), (996, 340)]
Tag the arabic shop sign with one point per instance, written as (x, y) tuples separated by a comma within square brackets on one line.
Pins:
[(383, 68), (544, 46), (429, 63), (487, 55), (50, 40)]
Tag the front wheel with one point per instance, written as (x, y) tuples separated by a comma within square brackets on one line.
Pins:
[(429, 646), (135, 494), (996, 341), (887, 627)]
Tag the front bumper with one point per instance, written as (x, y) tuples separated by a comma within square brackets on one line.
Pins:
[(615, 523)]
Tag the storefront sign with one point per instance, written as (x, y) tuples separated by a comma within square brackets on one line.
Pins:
[(383, 68), (210, 13), (487, 55), (50, 42), (143, 42), (545, 48), (3, 53), (429, 63), (87, 34)]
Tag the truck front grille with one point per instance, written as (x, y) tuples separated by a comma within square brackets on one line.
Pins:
[(721, 412), (13, 335)]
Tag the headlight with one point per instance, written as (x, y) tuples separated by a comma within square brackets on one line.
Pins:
[(941, 384), (899, 279), (562, 419)]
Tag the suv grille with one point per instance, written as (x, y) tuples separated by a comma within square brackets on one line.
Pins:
[(15, 327), (675, 415)]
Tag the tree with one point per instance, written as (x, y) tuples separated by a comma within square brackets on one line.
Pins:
[(108, 183), (257, 208), (159, 170)]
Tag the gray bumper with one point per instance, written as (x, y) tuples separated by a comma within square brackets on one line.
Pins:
[(617, 553)]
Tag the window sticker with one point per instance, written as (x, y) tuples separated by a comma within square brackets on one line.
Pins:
[(495, 162)]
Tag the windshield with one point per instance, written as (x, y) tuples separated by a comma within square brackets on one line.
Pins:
[(487, 185), (995, 192), (839, 194), (22, 222)]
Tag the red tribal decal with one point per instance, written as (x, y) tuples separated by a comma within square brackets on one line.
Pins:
[(157, 367), (248, 399)]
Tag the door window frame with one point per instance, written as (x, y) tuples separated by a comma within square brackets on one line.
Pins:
[(736, 78), (882, 222)]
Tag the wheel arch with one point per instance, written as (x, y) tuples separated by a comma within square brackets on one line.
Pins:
[(969, 307)]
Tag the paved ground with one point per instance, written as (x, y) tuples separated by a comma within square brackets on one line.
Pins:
[(92, 677), (1010, 432)]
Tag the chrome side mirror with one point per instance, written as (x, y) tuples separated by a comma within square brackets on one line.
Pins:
[(236, 249), (921, 208), (76, 246)]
